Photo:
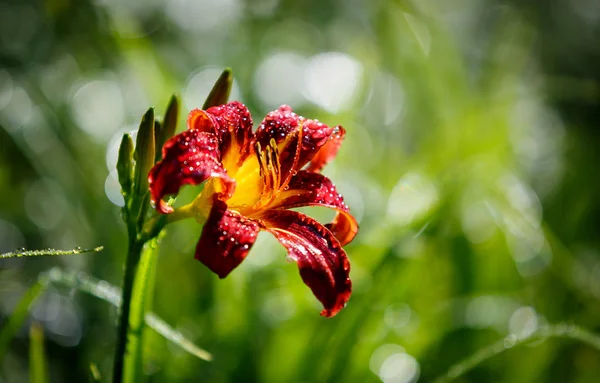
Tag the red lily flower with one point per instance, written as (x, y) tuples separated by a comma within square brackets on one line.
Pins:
[(253, 179)]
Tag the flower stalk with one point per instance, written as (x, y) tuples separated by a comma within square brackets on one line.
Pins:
[(131, 265), (144, 226), (132, 168)]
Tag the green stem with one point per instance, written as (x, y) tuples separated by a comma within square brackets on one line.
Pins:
[(131, 264), (140, 301)]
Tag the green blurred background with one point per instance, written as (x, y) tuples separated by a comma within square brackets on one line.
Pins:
[(471, 162)]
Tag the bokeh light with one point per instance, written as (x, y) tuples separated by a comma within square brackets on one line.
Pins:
[(470, 164)]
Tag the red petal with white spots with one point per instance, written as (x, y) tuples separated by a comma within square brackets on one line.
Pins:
[(314, 189), (283, 126), (231, 123), (189, 158), (327, 151), (315, 135), (323, 263), (226, 239)]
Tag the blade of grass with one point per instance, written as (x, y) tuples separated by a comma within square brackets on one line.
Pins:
[(48, 252), (112, 294), (99, 289), (15, 321), (142, 293), (561, 330), (161, 327), (38, 366)]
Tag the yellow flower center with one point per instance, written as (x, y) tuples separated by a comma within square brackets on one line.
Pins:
[(258, 179)]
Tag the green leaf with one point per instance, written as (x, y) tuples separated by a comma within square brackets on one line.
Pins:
[(143, 289), (144, 153), (48, 252), (220, 91), (125, 164), (15, 321), (169, 125), (38, 366)]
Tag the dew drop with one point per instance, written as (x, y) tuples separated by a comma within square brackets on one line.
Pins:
[(510, 341)]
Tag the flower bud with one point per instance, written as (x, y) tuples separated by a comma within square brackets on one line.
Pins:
[(125, 164), (168, 126), (220, 91), (144, 153)]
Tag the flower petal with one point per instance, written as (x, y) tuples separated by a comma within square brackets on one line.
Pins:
[(314, 189), (315, 135), (226, 238), (327, 151), (232, 124), (189, 158), (201, 121), (323, 263), (283, 126)]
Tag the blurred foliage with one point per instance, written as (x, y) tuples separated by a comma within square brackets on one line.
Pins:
[(470, 160)]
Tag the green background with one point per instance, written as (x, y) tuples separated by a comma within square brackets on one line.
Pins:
[(471, 161)]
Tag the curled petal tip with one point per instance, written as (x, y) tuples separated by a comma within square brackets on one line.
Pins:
[(163, 207), (323, 264), (330, 313), (328, 151)]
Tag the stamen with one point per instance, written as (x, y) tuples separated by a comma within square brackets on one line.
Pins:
[(293, 171), (270, 169), (276, 163), (258, 156)]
